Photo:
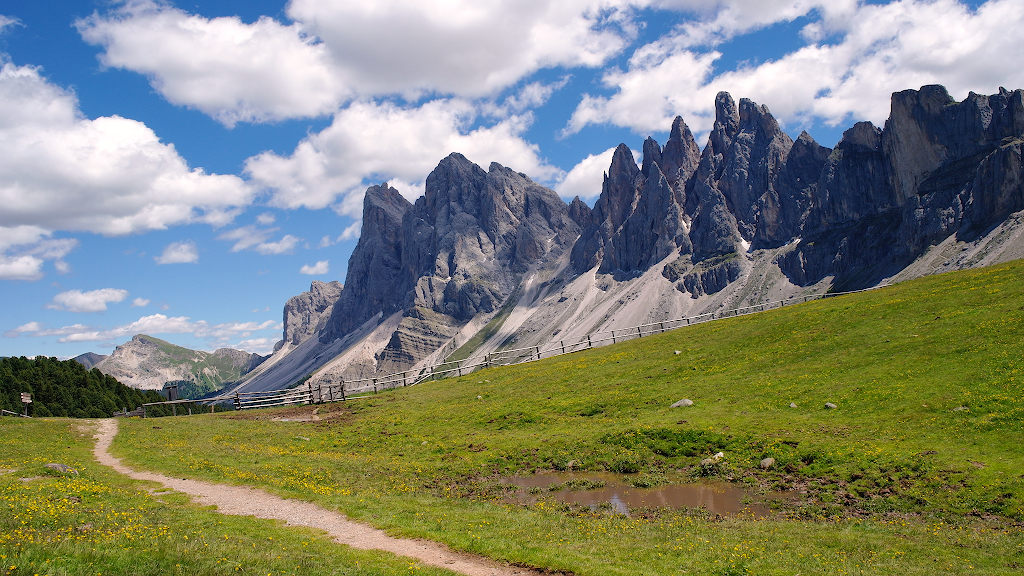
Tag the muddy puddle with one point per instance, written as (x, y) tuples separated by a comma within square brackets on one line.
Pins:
[(610, 491)]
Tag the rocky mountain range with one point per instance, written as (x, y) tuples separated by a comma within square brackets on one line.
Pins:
[(754, 216), (148, 363)]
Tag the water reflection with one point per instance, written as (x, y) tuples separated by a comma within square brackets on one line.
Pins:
[(715, 497)]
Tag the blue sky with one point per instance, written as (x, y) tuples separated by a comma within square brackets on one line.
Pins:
[(182, 168)]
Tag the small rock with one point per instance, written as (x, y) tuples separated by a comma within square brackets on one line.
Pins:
[(85, 527), (707, 462), (424, 443), (830, 406), (302, 438), (679, 351), (792, 404), (682, 403), (719, 456), (62, 468), (570, 464), (479, 397), (960, 408), (767, 463)]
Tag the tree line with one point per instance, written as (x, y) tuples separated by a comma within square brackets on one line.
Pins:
[(65, 388)]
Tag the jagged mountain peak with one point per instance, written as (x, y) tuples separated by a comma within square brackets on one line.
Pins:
[(754, 215)]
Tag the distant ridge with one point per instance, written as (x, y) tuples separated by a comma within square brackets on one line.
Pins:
[(148, 363), (89, 359)]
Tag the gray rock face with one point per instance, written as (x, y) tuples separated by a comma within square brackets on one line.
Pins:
[(938, 168), (305, 314), (640, 217), (460, 250), (376, 282)]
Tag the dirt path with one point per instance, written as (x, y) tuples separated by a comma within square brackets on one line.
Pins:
[(240, 501)]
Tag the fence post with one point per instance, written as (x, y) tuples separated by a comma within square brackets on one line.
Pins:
[(374, 385), (661, 326), (562, 342), (343, 390), (613, 336), (238, 402), (589, 344), (638, 333)]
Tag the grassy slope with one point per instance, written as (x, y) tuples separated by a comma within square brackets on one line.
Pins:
[(895, 480), (99, 522)]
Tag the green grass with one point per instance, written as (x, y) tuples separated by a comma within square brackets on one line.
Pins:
[(917, 471), (99, 522)]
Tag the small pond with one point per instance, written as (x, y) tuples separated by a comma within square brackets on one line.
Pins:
[(603, 490)]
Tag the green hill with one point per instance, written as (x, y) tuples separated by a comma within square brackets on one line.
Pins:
[(65, 388), (917, 469)]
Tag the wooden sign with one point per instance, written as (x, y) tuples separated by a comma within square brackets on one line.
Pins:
[(26, 398)]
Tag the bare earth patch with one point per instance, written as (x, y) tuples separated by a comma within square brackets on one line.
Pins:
[(240, 501)]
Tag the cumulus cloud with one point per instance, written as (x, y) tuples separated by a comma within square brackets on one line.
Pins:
[(140, 303), (382, 141), (586, 178), (334, 51), (321, 267), (110, 175), (255, 238), (24, 250), (23, 329), (179, 253), (154, 324), (233, 71), (91, 301), (880, 49), (262, 346)]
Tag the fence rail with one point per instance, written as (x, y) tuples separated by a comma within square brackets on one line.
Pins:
[(307, 393)]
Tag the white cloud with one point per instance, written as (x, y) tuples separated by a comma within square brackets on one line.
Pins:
[(254, 238), (351, 232), (140, 303), (24, 249), (881, 49), (246, 237), (586, 178), (233, 71), (111, 175), (283, 246), (321, 267), (721, 20), (154, 324), (91, 301), (6, 21), (261, 346), (23, 329), (266, 219), (266, 70), (379, 141), (179, 253)]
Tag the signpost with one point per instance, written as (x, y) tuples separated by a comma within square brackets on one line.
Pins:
[(26, 399)]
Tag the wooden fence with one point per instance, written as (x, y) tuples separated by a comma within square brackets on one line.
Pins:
[(307, 393)]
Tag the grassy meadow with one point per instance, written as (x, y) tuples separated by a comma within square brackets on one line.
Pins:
[(99, 522), (918, 469)]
